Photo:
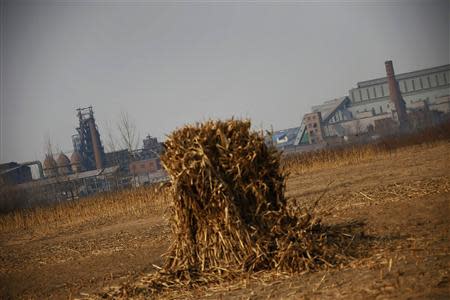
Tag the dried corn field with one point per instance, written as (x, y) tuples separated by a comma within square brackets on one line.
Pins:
[(392, 205)]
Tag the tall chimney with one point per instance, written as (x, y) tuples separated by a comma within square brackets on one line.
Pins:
[(395, 95), (95, 144)]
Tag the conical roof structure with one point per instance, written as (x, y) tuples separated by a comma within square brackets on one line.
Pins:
[(49, 162), (76, 162), (75, 158), (63, 163), (50, 166), (62, 160)]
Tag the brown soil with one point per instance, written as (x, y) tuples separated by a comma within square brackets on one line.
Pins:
[(400, 201)]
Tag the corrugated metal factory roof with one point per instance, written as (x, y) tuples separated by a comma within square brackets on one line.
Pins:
[(329, 107), (70, 177), (10, 169)]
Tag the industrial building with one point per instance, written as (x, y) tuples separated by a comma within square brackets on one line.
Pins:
[(87, 144), (72, 186), (146, 166), (14, 173), (380, 106), (89, 169)]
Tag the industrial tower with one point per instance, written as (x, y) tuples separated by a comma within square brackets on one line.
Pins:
[(87, 141)]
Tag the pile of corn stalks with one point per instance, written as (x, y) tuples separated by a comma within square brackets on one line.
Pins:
[(229, 211)]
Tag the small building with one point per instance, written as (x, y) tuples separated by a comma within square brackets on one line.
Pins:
[(151, 149), (152, 144), (139, 167), (292, 140), (14, 173), (119, 158), (313, 126), (283, 139), (72, 186), (147, 171)]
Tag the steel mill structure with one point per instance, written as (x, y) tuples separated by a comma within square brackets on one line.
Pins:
[(89, 169), (87, 141)]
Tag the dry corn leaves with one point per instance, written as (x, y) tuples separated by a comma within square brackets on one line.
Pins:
[(229, 214)]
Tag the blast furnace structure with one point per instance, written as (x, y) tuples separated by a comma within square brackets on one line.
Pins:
[(87, 143)]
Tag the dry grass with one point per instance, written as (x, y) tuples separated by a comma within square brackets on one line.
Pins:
[(347, 155), (330, 158), (139, 202), (11, 198)]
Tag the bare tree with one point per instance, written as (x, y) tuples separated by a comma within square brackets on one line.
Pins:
[(128, 132), (111, 142)]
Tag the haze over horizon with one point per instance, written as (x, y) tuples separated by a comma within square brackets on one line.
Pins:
[(168, 64)]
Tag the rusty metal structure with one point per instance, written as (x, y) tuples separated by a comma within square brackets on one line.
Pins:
[(87, 141), (395, 96)]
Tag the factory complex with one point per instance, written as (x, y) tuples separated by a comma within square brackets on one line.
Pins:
[(89, 169), (378, 107)]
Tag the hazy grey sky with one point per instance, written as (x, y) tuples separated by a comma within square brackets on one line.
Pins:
[(168, 64)]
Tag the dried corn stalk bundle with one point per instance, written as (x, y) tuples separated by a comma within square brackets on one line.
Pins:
[(230, 217), (229, 210)]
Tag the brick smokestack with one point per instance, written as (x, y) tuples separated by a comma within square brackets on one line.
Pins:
[(395, 95)]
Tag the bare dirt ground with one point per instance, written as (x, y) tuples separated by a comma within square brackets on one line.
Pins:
[(400, 201)]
